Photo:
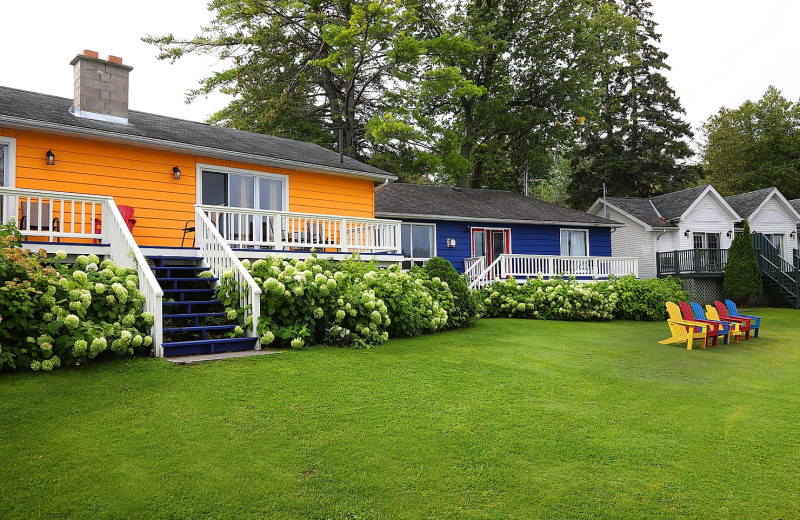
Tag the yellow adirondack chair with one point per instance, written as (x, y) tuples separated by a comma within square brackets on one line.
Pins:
[(735, 331), (683, 330)]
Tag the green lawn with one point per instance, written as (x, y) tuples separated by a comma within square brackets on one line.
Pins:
[(512, 419)]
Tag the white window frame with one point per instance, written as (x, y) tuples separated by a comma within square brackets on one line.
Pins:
[(210, 168), (412, 259), (10, 171), (782, 248), (561, 238)]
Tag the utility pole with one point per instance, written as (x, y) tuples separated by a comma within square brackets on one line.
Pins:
[(527, 173), (605, 207)]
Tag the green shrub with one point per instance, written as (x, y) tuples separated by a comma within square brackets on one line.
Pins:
[(742, 275), (51, 314), (645, 300), (554, 299), (342, 303), (467, 308)]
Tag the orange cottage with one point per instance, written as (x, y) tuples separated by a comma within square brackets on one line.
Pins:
[(88, 175)]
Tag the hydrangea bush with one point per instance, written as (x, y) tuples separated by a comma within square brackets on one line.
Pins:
[(350, 303), (53, 314)]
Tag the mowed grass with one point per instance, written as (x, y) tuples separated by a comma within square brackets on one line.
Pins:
[(511, 419)]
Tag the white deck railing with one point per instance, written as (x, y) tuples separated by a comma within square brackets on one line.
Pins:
[(57, 215), (220, 258), (474, 266), (255, 228), (531, 266)]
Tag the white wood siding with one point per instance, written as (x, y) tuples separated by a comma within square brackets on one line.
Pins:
[(708, 216), (775, 218), (632, 240)]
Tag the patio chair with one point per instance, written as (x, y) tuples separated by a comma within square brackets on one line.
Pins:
[(684, 331), (727, 329), (711, 313), (34, 220), (734, 313), (714, 327), (127, 216), (722, 311)]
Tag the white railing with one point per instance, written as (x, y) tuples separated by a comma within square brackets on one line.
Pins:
[(530, 266), (474, 266), (220, 258), (55, 215), (125, 252), (255, 228)]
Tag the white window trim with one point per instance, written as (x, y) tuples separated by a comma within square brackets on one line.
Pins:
[(503, 229), (201, 167), (561, 238), (11, 160), (413, 259)]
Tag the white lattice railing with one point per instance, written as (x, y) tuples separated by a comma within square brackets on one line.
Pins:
[(246, 228), (530, 266), (125, 252), (54, 215), (474, 266), (220, 258)]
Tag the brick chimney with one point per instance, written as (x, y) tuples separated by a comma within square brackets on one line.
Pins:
[(101, 87)]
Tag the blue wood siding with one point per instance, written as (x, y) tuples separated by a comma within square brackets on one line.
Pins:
[(526, 239)]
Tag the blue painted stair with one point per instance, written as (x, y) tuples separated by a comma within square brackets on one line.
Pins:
[(194, 320)]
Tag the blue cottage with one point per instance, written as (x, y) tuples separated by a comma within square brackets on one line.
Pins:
[(489, 233)]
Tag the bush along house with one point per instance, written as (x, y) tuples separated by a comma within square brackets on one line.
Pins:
[(172, 198), (490, 234)]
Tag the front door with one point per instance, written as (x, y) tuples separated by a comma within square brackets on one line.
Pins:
[(490, 243)]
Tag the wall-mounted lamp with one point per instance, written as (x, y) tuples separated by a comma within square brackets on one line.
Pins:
[(451, 242), (466, 229), (793, 234), (730, 233), (686, 234), (50, 158), (176, 173)]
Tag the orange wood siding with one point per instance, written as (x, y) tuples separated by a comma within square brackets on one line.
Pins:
[(142, 178)]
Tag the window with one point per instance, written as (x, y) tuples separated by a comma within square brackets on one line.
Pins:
[(777, 241), (698, 240), (238, 189), (418, 242), (574, 242), (705, 240)]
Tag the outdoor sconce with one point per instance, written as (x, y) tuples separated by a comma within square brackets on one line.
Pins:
[(686, 234), (466, 229), (176, 172), (50, 158), (793, 234), (451, 242), (730, 233)]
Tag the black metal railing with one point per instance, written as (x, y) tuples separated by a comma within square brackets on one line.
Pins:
[(691, 261)]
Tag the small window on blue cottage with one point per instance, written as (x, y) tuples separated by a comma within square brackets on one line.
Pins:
[(574, 242), (418, 242)]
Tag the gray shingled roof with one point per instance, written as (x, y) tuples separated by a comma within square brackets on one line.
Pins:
[(43, 108), (795, 204), (746, 203), (673, 205), (444, 201), (641, 209)]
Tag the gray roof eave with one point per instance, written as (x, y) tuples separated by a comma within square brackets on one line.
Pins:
[(205, 151), (489, 220)]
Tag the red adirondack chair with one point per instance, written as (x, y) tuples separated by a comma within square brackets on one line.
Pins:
[(713, 326), (127, 216), (744, 323)]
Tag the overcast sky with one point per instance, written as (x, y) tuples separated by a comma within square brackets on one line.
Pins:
[(722, 52)]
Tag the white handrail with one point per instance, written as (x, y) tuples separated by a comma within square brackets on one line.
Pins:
[(255, 228), (220, 258), (52, 214), (125, 252), (486, 276), (474, 265)]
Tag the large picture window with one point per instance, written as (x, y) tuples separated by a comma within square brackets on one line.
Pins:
[(243, 190), (418, 242), (574, 242)]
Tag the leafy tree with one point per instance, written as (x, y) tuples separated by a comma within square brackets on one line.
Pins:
[(302, 69), (637, 143), (742, 275), (755, 146)]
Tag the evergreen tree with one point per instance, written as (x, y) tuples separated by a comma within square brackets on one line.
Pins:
[(742, 275), (637, 144)]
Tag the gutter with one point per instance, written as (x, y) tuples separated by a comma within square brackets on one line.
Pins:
[(402, 216), (205, 151)]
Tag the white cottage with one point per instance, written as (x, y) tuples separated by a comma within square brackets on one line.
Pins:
[(768, 212), (682, 221)]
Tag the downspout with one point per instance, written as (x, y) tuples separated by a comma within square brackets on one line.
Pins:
[(380, 186)]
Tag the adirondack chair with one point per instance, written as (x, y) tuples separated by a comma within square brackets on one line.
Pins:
[(734, 312), (744, 323), (711, 314), (683, 330), (727, 329), (714, 327)]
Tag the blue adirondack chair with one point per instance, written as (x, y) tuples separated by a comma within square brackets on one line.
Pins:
[(724, 326), (733, 311)]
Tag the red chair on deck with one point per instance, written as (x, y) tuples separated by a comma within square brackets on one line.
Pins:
[(127, 216)]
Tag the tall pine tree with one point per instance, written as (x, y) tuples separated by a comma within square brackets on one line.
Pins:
[(637, 143)]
